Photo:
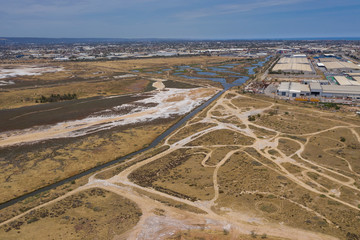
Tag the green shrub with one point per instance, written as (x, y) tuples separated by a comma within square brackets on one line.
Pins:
[(56, 98), (251, 118)]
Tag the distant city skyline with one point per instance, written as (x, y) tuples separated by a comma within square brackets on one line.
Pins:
[(196, 19)]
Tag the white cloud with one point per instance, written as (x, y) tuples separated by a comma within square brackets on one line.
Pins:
[(223, 9)]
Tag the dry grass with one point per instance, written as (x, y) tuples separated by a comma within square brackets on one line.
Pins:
[(295, 122), (108, 173), (89, 79), (26, 97), (180, 173), (153, 63), (275, 197), (91, 214), (41, 198), (216, 234), (316, 148), (261, 132), (287, 146), (189, 130), (28, 168), (218, 154), (292, 168), (222, 137), (242, 102), (170, 202)]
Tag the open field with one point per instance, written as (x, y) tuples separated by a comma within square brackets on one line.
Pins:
[(26, 167), (51, 113), (15, 98), (273, 183), (90, 214), (213, 234), (88, 79), (246, 166), (69, 137), (106, 114)]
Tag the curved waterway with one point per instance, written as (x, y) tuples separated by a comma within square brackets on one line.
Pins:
[(225, 85)]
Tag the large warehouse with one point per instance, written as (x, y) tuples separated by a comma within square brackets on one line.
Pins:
[(296, 64), (333, 64), (342, 80), (295, 89)]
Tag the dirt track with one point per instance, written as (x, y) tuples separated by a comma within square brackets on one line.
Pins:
[(120, 184)]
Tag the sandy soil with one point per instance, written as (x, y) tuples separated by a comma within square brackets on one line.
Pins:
[(167, 104), (230, 113), (152, 226), (159, 85), (8, 71)]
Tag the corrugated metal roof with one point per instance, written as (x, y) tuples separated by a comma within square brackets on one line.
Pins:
[(298, 87), (345, 89), (315, 87), (344, 81), (284, 86)]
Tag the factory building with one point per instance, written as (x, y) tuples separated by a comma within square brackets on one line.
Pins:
[(296, 64), (342, 80), (333, 64), (308, 81), (315, 89), (293, 89)]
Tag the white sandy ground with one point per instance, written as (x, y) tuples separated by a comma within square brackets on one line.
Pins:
[(125, 76), (5, 83), (169, 103), (27, 71), (159, 85)]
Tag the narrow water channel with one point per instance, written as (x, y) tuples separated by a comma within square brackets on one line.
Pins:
[(226, 86)]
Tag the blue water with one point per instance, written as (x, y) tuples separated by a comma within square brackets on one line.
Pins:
[(181, 68), (197, 69), (190, 77), (219, 69), (225, 85), (241, 80), (230, 65), (207, 73), (250, 70)]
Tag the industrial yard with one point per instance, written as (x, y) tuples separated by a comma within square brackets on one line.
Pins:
[(313, 78)]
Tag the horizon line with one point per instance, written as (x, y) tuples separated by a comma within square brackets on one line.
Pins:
[(188, 39)]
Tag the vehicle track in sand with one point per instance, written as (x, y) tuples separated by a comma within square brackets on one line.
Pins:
[(120, 183)]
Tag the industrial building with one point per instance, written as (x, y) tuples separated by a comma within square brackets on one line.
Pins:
[(333, 64), (321, 82), (293, 89), (315, 89), (342, 80), (295, 63), (354, 76)]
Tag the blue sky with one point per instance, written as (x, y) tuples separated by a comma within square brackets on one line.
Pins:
[(198, 19)]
